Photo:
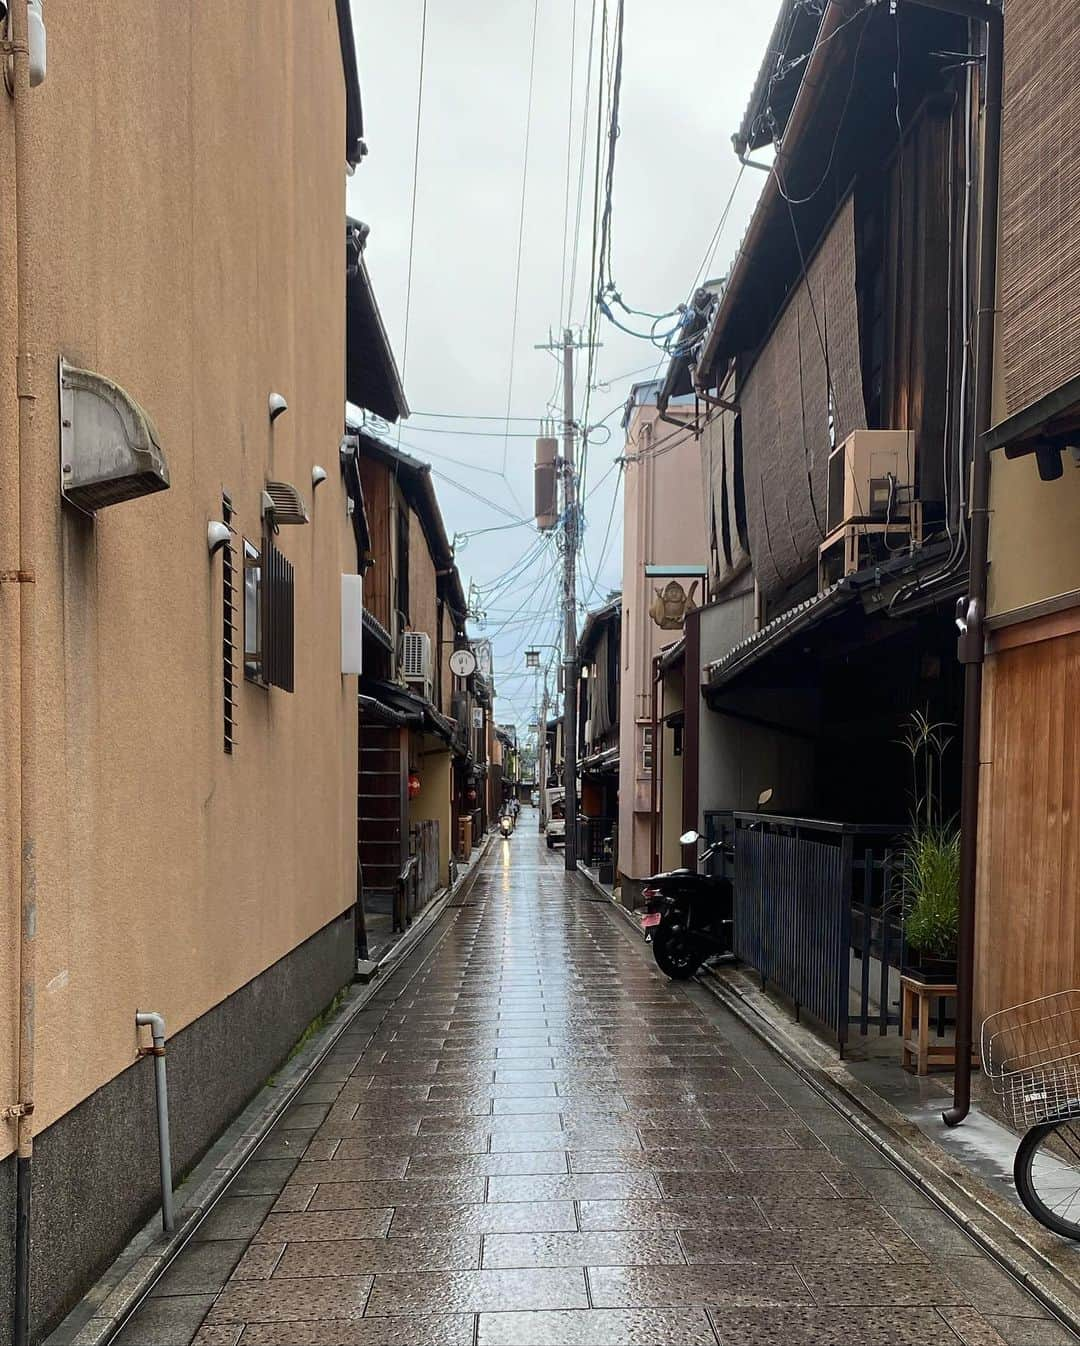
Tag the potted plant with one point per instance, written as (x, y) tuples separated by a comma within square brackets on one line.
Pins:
[(929, 860), (930, 879)]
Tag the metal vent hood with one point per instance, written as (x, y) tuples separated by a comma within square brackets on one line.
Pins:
[(109, 448)]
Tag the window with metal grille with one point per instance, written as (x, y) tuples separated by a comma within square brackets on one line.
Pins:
[(228, 629), (268, 616)]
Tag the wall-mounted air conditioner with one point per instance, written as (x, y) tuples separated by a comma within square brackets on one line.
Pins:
[(109, 449), (416, 661)]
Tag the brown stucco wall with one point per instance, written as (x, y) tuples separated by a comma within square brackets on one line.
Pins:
[(187, 242)]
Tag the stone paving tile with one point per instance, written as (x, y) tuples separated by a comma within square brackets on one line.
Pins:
[(258, 1263), (343, 1224), (840, 1247), (487, 1165), (361, 1257), (574, 1187), (722, 1186), (396, 1192), (437, 1330), (315, 1171), (479, 1291), (830, 1327), (497, 1217), (735, 1284), (583, 1250), (670, 1214), (599, 1327), (292, 1301), (888, 1287)]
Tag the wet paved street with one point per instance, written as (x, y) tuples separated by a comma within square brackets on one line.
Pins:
[(529, 1136)]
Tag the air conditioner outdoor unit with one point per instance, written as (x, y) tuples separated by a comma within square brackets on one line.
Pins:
[(871, 478), (109, 448), (872, 511), (416, 661)]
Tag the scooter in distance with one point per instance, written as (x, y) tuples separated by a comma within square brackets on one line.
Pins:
[(506, 826), (688, 915)]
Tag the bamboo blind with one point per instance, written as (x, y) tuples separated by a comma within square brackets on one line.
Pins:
[(796, 406), (1040, 199)]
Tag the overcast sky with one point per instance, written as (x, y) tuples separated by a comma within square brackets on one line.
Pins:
[(689, 66)]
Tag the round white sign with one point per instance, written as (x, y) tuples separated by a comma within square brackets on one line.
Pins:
[(463, 663)]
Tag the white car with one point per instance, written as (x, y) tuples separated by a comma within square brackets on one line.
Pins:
[(534, 799), (556, 824)]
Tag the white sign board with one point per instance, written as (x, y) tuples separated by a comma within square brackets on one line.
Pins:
[(352, 624)]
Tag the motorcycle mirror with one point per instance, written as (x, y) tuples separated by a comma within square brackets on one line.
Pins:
[(764, 797), (688, 838)]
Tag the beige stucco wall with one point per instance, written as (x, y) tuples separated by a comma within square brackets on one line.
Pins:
[(662, 524), (433, 762), (1034, 534), (188, 205)]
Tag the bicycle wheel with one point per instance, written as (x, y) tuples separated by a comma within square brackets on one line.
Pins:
[(1047, 1173)]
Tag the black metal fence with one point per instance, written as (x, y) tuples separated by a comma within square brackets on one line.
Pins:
[(817, 914)]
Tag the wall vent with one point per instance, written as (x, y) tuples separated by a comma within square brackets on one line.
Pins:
[(109, 449)]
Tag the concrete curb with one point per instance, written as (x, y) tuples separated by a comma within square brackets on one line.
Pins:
[(108, 1305), (959, 1193)]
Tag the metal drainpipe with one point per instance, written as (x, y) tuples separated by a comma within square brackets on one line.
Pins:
[(972, 641), (23, 1110), (156, 1024), (654, 783)]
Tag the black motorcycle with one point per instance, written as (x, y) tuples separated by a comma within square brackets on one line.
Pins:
[(689, 916)]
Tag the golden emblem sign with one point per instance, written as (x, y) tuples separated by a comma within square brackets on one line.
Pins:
[(671, 604)]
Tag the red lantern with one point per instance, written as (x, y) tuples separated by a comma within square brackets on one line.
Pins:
[(414, 784)]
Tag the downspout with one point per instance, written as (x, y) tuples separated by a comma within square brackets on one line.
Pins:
[(972, 609), (654, 783), (22, 1111), (691, 722)]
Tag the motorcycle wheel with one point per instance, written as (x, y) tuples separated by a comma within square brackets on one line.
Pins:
[(677, 954)]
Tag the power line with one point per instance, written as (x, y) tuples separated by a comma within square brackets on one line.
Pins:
[(521, 223), (416, 175), (581, 162), (464, 416), (569, 157)]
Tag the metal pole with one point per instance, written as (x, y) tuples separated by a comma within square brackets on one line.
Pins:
[(156, 1024), (570, 671), (972, 642), (541, 757), (23, 1110)]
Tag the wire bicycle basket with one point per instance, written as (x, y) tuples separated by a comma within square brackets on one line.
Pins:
[(1031, 1054)]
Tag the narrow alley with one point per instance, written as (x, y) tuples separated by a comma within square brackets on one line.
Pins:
[(529, 1136)]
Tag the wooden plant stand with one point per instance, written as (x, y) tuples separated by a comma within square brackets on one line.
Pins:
[(920, 1053)]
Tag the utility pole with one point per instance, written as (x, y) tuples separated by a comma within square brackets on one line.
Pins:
[(570, 675), (568, 345)]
